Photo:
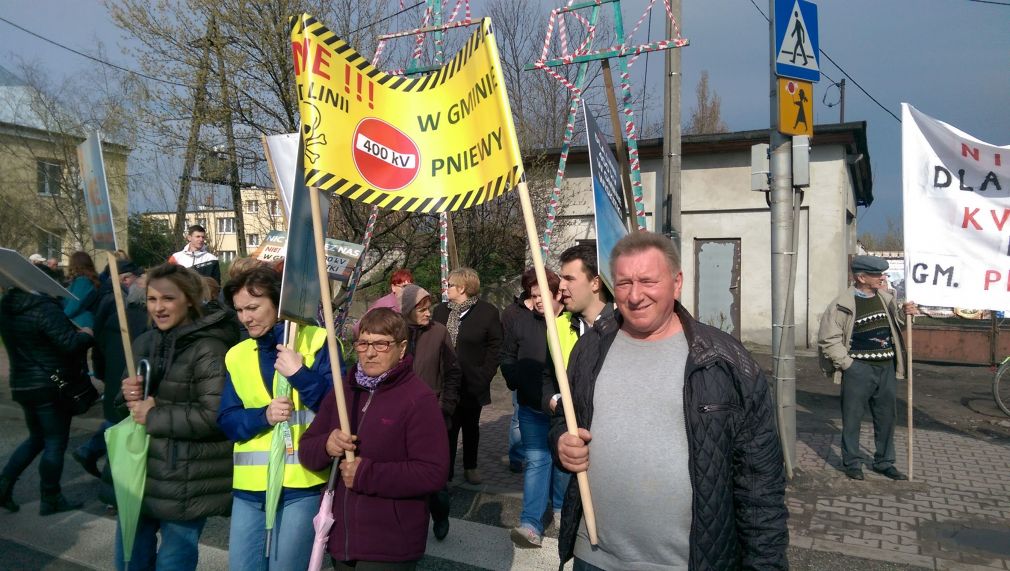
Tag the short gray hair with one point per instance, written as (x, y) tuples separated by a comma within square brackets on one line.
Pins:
[(641, 241)]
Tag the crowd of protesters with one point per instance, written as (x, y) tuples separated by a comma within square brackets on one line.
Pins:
[(228, 378)]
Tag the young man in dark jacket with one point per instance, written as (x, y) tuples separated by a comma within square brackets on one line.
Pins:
[(108, 356), (686, 464)]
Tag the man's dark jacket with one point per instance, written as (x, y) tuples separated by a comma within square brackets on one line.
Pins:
[(108, 357), (477, 347), (41, 341), (735, 460)]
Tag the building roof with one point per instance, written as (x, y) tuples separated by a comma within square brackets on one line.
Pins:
[(851, 135), (16, 98), (18, 112)]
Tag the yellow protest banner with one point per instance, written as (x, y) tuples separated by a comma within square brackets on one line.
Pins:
[(428, 143)]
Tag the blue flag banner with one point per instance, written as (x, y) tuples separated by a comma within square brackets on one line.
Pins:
[(300, 293), (607, 200)]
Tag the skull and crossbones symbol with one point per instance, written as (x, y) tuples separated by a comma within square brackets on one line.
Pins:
[(311, 135)]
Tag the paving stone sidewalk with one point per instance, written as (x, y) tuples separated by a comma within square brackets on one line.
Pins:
[(955, 515)]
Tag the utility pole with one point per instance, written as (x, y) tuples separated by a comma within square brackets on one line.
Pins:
[(841, 101), (199, 113), (229, 131), (666, 213), (783, 328)]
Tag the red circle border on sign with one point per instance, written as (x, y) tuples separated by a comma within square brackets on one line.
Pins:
[(355, 151)]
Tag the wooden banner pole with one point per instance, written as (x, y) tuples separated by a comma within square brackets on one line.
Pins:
[(124, 327), (556, 355), (911, 435), (327, 301)]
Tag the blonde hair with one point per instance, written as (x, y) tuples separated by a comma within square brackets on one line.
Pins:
[(467, 278), (241, 265)]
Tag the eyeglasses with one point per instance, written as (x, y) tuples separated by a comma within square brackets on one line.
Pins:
[(379, 346)]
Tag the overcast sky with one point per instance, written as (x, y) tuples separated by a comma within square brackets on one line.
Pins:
[(949, 58)]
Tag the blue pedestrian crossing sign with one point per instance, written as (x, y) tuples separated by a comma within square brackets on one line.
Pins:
[(796, 46)]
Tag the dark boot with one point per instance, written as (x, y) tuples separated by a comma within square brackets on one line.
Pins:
[(87, 460), (56, 504), (6, 495)]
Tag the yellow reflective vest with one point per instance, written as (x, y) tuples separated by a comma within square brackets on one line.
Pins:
[(566, 335), (252, 456)]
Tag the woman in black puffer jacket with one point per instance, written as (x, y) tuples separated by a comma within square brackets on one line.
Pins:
[(189, 464), (41, 341)]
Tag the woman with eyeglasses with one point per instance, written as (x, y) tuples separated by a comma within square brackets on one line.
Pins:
[(476, 334), (380, 504)]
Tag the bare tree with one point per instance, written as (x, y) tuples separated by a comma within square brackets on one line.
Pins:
[(706, 117), (890, 240)]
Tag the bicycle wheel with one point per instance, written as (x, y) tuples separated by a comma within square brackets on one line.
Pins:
[(1001, 387)]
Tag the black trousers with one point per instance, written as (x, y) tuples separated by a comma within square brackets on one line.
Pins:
[(868, 387), (465, 419)]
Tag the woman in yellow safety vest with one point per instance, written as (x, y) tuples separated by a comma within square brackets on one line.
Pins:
[(249, 410)]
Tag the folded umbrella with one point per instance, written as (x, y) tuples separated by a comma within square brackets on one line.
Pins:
[(323, 522), (280, 446), (127, 444)]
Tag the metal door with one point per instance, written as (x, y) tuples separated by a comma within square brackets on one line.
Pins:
[(717, 283)]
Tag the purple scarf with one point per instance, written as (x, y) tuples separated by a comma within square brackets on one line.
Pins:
[(366, 382)]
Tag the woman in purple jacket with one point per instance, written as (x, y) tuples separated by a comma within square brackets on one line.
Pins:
[(380, 507)]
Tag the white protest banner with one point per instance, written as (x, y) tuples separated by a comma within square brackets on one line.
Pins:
[(282, 154), (273, 248), (16, 271), (341, 257), (956, 191)]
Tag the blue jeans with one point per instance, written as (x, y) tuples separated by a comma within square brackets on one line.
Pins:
[(291, 544), (180, 545), (516, 455), (542, 480), (48, 433)]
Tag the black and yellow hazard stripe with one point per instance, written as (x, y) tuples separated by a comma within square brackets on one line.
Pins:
[(309, 25), (430, 205)]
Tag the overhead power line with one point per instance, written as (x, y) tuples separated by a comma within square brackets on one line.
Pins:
[(991, 2), (151, 77), (90, 57), (845, 73)]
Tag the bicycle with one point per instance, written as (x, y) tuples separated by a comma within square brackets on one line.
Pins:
[(1001, 386)]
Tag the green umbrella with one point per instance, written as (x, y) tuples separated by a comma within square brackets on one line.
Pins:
[(127, 443), (281, 446)]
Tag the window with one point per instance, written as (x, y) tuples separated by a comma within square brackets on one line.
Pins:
[(50, 243), (201, 222), (226, 225), (227, 256), (272, 208), (50, 175), (252, 206), (253, 239)]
